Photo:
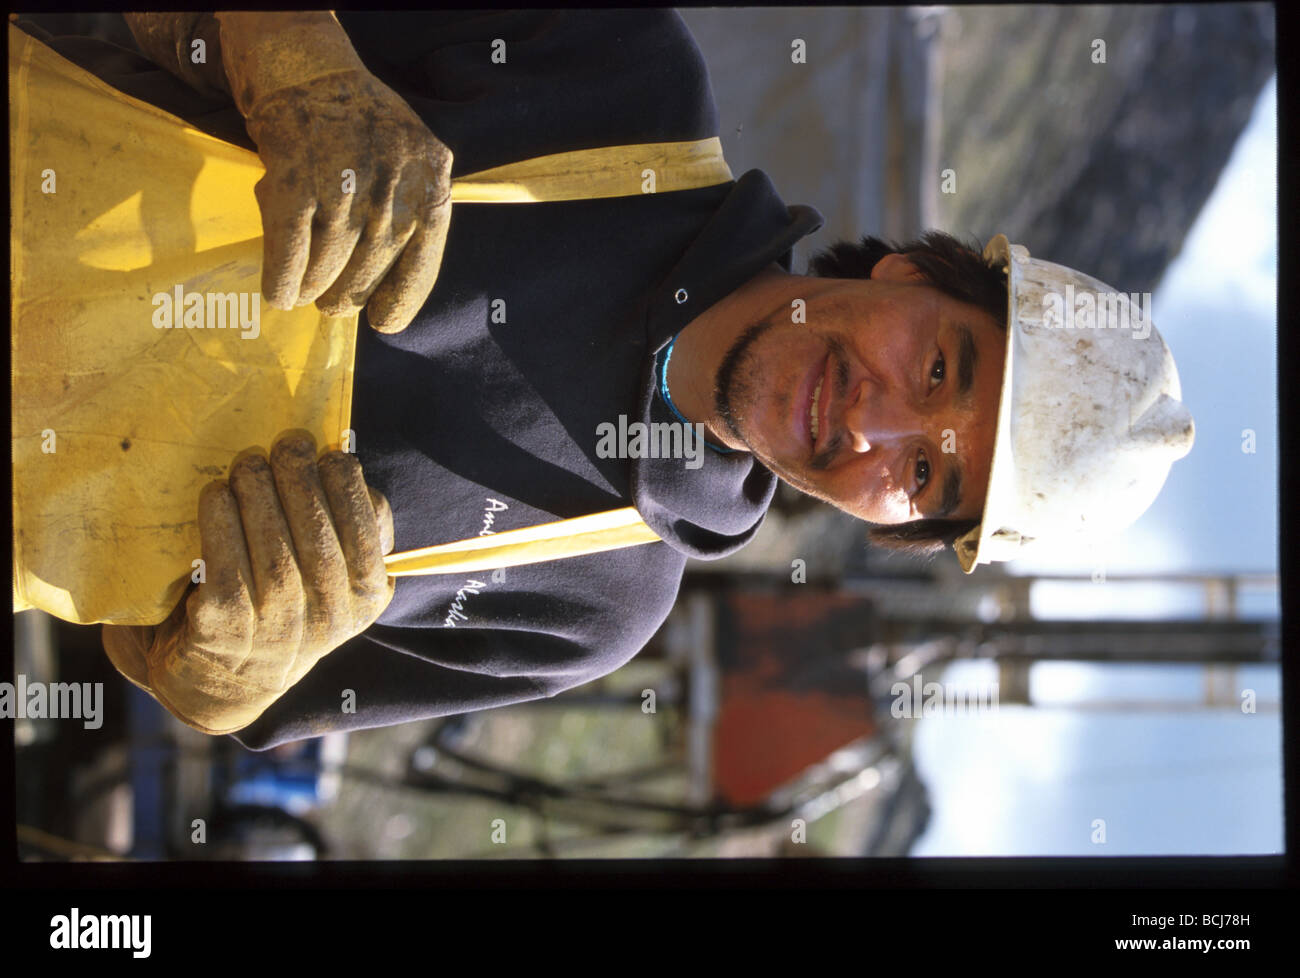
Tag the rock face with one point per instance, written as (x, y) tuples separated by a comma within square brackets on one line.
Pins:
[(1103, 167)]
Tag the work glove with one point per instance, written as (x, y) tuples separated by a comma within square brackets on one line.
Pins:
[(356, 199), (357, 193), (293, 561)]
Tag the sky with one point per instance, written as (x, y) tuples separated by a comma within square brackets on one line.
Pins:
[(1216, 309), (1034, 780), (1158, 779)]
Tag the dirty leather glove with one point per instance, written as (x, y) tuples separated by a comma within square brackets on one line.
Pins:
[(356, 199), (373, 237), (293, 550)]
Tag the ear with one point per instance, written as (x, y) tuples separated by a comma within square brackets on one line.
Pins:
[(895, 268)]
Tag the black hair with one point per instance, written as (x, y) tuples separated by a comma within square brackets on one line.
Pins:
[(958, 270)]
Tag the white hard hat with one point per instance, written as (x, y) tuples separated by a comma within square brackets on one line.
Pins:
[(1090, 419)]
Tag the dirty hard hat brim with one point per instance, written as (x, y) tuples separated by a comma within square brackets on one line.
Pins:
[(976, 546), (1090, 416)]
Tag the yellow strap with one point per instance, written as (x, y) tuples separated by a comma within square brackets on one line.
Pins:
[(607, 171), (589, 534)]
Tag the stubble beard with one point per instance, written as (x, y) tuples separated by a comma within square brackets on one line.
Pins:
[(733, 387)]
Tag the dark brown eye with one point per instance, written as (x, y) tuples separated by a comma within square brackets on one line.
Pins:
[(937, 371), (922, 471)]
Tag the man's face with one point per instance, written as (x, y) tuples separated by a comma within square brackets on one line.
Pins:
[(903, 382)]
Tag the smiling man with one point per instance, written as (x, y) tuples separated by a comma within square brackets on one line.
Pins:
[(862, 401), (893, 395), (924, 388)]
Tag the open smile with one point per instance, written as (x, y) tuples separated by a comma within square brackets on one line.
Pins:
[(814, 418)]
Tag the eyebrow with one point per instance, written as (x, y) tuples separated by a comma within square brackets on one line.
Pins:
[(966, 357), (951, 492)]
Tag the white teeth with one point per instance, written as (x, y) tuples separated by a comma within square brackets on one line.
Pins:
[(813, 413)]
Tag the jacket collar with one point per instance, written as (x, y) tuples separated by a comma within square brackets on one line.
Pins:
[(713, 510)]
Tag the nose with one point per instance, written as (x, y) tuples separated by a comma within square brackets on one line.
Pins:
[(873, 419)]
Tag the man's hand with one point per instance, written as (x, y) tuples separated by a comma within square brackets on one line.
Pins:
[(293, 552), (356, 199), (357, 194)]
